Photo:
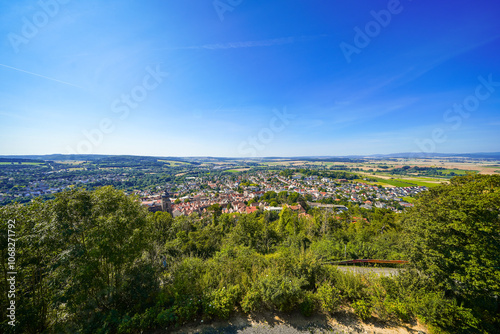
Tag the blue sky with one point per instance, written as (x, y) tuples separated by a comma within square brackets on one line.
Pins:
[(249, 77)]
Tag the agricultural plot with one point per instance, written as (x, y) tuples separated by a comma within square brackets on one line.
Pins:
[(238, 170), (22, 163), (70, 162), (402, 182), (174, 162)]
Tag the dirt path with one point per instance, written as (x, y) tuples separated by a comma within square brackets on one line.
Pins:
[(343, 321)]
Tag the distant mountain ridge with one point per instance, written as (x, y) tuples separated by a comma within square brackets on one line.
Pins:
[(339, 158), (420, 155)]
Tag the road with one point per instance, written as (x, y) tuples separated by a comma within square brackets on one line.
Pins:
[(368, 270)]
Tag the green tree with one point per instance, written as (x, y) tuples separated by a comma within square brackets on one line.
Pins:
[(105, 234), (36, 248), (82, 260), (453, 236)]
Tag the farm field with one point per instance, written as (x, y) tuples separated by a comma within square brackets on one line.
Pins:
[(174, 162), (70, 162), (407, 182), (401, 181), (237, 170), (377, 166), (380, 170), (23, 163), (480, 167)]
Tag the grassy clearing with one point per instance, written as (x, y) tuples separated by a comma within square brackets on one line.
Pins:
[(237, 170), (396, 182), (404, 182), (408, 199), (174, 162), (458, 171), (445, 175), (431, 179), (369, 182), (232, 171), (416, 182), (22, 163)]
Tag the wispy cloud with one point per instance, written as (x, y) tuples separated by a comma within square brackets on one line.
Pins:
[(344, 116), (416, 72), (248, 44), (39, 75)]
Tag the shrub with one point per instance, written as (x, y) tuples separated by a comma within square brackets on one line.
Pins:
[(435, 310), (352, 286), (139, 322), (187, 309), (251, 301), (379, 299), (187, 274), (280, 291), (150, 319), (308, 304), (362, 308), (329, 273), (127, 325), (400, 309), (329, 297), (166, 317), (220, 303)]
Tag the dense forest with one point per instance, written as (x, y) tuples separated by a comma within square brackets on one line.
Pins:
[(98, 262)]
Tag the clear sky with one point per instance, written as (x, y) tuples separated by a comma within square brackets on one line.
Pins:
[(249, 77)]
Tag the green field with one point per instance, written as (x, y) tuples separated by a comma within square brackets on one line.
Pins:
[(458, 171), (370, 182), (22, 163), (425, 178), (418, 183), (399, 182), (404, 182), (409, 199), (396, 182), (445, 173), (174, 162), (237, 171)]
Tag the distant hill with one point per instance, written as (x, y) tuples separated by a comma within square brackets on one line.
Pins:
[(422, 155), (351, 158), (82, 157)]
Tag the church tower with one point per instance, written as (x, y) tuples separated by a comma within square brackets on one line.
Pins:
[(166, 204)]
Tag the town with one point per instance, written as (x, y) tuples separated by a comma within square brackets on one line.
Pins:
[(258, 190), (236, 185)]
